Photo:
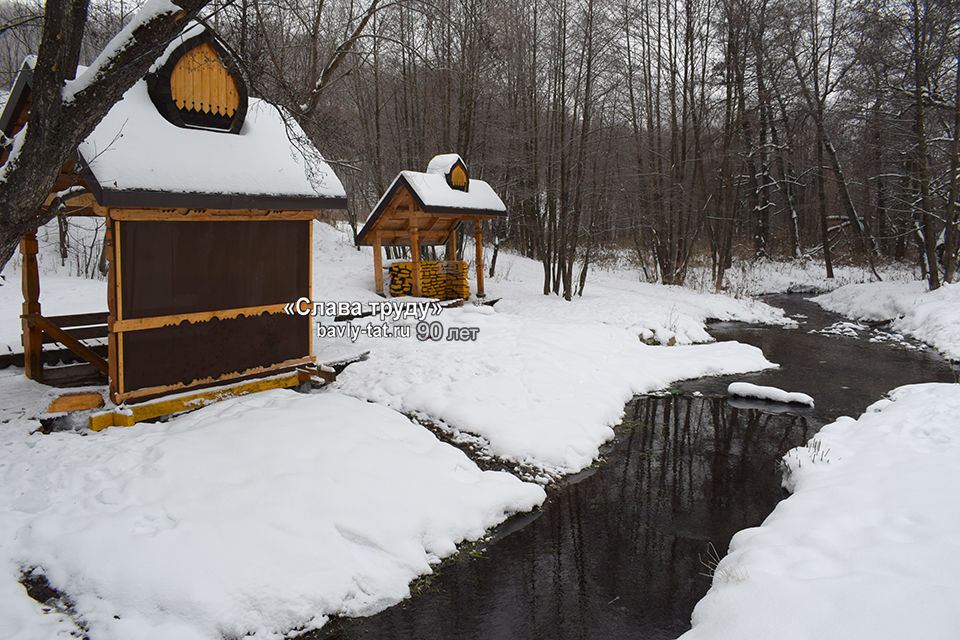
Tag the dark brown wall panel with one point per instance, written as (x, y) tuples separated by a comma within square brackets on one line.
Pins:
[(177, 267), (188, 352)]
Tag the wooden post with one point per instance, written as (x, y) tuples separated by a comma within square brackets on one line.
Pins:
[(478, 239), (415, 256), (452, 245), (32, 335), (377, 263), (113, 352)]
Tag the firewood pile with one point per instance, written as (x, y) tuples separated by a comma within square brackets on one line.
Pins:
[(444, 280)]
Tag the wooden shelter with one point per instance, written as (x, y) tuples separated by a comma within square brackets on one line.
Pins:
[(208, 209), (426, 209)]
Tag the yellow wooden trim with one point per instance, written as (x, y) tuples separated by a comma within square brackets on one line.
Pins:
[(76, 402), (141, 324), (458, 177), (151, 391), (200, 82), (186, 402), (310, 282), (208, 215)]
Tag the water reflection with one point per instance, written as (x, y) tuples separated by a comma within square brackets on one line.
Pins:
[(618, 554)]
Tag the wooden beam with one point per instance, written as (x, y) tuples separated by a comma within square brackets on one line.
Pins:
[(377, 263), (141, 324), (113, 360), (30, 280), (75, 402), (208, 215), (452, 245), (68, 341), (415, 257), (155, 391), (79, 319), (168, 406), (478, 239), (82, 204)]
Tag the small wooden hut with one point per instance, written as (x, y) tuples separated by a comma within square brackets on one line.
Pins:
[(426, 209), (208, 197)]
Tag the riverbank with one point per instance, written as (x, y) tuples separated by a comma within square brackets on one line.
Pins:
[(866, 546), (122, 523)]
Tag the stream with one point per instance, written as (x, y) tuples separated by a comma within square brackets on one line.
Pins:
[(625, 548)]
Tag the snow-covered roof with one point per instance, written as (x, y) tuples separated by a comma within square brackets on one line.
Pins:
[(443, 163), (137, 158), (135, 154), (433, 194)]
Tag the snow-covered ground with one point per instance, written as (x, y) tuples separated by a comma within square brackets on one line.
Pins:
[(867, 545), (254, 516), (930, 316), (757, 277), (546, 379), (268, 513)]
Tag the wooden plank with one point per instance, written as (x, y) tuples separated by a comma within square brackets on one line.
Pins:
[(478, 239), (415, 257), (30, 280), (208, 215), (68, 341), (80, 333), (377, 263), (141, 324), (168, 406), (152, 391), (79, 319), (76, 402), (113, 373), (310, 281)]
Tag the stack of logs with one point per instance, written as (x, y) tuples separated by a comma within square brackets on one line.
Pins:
[(445, 280)]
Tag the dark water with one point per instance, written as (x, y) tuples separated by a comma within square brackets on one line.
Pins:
[(625, 551), (843, 374)]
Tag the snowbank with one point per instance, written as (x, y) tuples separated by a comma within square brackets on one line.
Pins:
[(747, 390), (257, 515), (867, 545), (931, 316), (545, 380)]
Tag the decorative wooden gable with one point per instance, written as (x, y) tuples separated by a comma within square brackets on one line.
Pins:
[(200, 86), (457, 176)]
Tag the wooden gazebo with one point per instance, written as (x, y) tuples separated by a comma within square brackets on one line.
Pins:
[(208, 209), (426, 208)]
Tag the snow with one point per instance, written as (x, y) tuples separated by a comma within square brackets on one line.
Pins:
[(546, 379), (442, 164), (252, 516), (433, 191), (748, 390), (271, 512), (150, 10), (764, 275), (866, 547), (260, 160), (930, 316)]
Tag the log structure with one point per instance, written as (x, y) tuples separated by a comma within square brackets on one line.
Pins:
[(444, 280), (426, 209), (209, 235)]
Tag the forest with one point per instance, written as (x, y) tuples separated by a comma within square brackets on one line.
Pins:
[(685, 132)]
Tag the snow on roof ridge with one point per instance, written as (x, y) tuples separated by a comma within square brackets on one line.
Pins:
[(442, 163), (191, 30)]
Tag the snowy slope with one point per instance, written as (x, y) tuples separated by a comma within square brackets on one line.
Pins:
[(867, 545), (931, 316), (546, 379), (256, 515)]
